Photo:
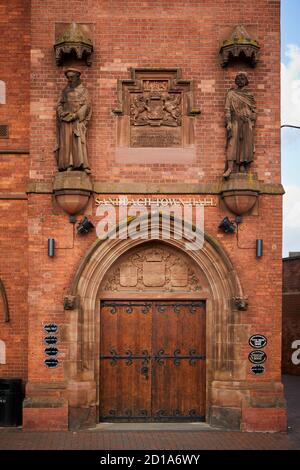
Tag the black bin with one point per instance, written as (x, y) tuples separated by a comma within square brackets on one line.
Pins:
[(11, 398)]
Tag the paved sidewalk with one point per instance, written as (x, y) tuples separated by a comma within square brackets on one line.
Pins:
[(140, 440), (162, 437), (292, 394)]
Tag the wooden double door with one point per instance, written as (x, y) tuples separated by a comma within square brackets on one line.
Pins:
[(152, 361)]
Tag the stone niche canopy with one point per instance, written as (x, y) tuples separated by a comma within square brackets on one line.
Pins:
[(73, 41), (156, 111), (240, 46)]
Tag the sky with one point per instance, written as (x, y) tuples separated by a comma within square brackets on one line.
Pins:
[(290, 114)]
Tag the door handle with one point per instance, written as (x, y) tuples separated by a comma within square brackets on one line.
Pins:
[(145, 372)]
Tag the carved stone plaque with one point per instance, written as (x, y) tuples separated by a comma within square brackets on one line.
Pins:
[(179, 275), (145, 137), (128, 275), (156, 110), (148, 268), (154, 274), (155, 116)]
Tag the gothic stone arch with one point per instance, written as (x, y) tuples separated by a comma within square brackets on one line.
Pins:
[(219, 287)]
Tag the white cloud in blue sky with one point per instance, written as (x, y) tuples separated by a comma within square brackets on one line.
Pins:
[(290, 114), (290, 86)]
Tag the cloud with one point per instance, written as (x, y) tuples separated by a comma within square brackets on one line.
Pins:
[(291, 219), (292, 207), (290, 114), (290, 87)]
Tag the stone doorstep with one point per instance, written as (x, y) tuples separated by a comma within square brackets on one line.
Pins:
[(112, 427)]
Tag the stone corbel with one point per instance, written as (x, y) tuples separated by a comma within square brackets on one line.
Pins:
[(72, 190), (240, 192), (240, 303), (70, 302), (4, 301)]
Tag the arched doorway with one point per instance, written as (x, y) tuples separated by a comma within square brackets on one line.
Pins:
[(221, 292), (153, 337)]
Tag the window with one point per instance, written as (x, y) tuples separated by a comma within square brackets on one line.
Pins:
[(2, 352), (2, 92)]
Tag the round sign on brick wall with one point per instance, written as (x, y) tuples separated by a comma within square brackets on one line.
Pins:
[(258, 341), (51, 351), (257, 370), (257, 357), (51, 362), (51, 327), (51, 339)]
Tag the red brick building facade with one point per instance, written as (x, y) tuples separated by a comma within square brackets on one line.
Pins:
[(237, 292), (291, 315)]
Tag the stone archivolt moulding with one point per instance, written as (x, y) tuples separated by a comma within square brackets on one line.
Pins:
[(98, 274), (239, 46)]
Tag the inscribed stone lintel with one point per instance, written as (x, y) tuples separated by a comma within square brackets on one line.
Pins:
[(100, 187)]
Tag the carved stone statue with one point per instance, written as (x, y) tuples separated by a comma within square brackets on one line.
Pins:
[(240, 116), (73, 114)]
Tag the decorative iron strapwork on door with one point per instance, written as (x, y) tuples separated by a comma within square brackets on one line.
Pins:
[(160, 357), (152, 361), (177, 307), (129, 306), (146, 306)]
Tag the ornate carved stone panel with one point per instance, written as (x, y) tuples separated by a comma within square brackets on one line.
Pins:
[(179, 274), (154, 273), (148, 269), (128, 275), (158, 109), (155, 109)]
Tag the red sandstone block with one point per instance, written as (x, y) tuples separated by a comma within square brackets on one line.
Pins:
[(45, 419), (264, 419)]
